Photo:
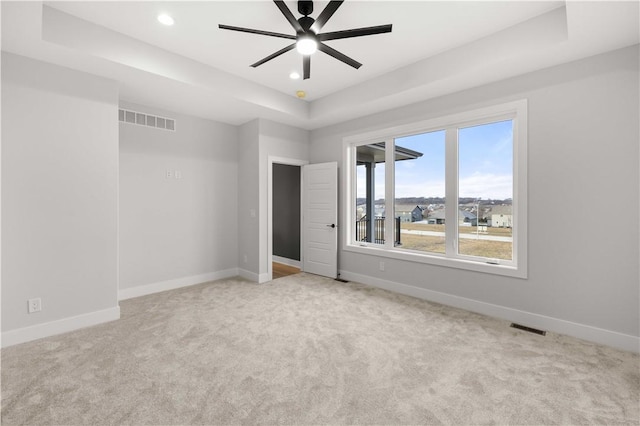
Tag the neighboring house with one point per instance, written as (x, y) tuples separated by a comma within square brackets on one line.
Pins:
[(501, 216), (409, 212), (465, 218), (436, 217)]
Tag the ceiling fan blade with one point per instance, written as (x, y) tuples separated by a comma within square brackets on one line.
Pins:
[(356, 32), (287, 14), (324, 16), (339, 56), (274, 55), (260, 32), (306, 67)]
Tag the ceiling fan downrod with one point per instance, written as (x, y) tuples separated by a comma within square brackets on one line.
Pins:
[(305, 8)]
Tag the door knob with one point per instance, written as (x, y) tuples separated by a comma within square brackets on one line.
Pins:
[(333, 225)]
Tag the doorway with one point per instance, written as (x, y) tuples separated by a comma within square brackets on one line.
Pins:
[(284, 229), (285, 211)]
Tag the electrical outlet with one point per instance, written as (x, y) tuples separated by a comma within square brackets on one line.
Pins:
[(169, 174), (381, 265), (34, 305), (245, 259)]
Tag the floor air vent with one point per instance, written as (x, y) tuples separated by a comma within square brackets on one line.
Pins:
[(141, 119), (529, 329)]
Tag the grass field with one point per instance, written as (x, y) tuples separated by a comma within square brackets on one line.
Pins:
[(471, 247), (503, 232)]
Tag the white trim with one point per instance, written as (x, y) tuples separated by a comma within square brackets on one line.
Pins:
[(248, 275), (38, 331), (286, 261), (516, 111), (271, 160), (451, 191), (462, 119), (143, 290), (389, 191), (264, 277), (435, 259), (581, 331)]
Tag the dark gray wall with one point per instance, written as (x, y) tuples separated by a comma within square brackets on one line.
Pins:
[(286, 211)]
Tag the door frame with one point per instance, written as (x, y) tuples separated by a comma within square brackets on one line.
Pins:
[(289, 162)]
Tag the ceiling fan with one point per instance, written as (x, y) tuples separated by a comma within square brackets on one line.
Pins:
[(308, 38)]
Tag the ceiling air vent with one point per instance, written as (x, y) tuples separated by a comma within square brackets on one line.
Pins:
[(141, 119)]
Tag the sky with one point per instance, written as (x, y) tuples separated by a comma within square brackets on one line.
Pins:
[(485, 164)]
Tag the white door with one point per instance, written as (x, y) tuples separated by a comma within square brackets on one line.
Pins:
[(320, 219)]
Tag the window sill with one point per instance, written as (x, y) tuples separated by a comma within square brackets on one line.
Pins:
[(434, 259)]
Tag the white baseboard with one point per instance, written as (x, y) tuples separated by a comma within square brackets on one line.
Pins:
[(581, 331), (286, 261), (251, 276), (263, 278), (143, 290), (27, 334)]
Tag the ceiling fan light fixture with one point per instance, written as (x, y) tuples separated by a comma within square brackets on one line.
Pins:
[(306, 45), (309, 38), (165, 19)]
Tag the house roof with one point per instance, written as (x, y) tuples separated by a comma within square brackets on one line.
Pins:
[(197, 69), (406, 207), (440, 214), (375, 153), (506, 209)]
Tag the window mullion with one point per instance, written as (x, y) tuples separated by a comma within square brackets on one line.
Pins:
[(352, 193), (451, 191), (389, 185)]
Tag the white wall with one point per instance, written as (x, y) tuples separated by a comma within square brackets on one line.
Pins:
[(59, 198), (259, 140), (248, 200), (176, 232), (583, 169)]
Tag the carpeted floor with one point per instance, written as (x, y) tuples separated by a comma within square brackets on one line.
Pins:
[(309, 350)]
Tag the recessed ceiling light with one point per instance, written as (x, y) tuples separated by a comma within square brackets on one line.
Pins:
[(301, 94), (165, 19), (294, 75)]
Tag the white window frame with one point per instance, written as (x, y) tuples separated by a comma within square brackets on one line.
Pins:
[(516, 111)]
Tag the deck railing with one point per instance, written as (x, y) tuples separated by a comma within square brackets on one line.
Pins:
[(378, 230)]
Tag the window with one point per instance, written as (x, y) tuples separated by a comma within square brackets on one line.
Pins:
[(449, 191)]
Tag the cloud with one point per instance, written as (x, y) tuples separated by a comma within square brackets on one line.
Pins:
[(486, 185)]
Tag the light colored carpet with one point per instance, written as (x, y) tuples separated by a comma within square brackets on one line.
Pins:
[(309, 350)]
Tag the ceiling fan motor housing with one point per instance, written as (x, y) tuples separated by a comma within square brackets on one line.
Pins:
[(305, 8), (306, 22)]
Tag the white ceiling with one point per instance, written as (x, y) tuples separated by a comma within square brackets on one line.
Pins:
[(436, 47)]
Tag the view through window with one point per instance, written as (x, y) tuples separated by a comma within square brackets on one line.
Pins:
[(485, 190), (449, 192), (370, 204), (420, 191)]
